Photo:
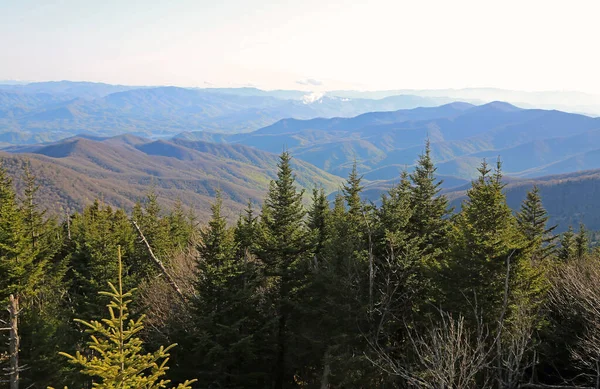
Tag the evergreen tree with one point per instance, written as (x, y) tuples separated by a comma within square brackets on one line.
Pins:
[(582, 242), (568, 249), (42, 327), (487, 236), (19, 268), (246, 232), (225, 311), (430, 211), (95, 235), (283, 247), (317, 217), (533, 220), (28, 245), (352, 189), (115, 358), (181, 230), (157, 230)]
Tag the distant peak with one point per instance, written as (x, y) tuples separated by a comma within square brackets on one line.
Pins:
[(500, 106)]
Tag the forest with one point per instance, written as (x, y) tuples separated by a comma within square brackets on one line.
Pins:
[(299, 293)]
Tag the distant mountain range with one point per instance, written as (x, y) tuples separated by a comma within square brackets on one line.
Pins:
[(119, 170), (49, 111), (75, 171), (86, 140), (532, 142)]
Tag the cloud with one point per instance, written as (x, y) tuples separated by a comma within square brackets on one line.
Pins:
[(309, 81), (312, 97)]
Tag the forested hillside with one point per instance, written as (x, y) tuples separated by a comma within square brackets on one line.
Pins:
[(401, 294), (533, 142), (120, 169)]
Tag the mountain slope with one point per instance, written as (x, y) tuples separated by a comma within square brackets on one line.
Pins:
[(61, 109), (531, 140), (120, 170)]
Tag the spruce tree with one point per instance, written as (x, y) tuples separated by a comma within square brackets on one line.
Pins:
[(568, 247), (582, 242), (401, 279), (225, 311), (156, 229), (430, 210), (533, 220), (19, 269), (95, 235), (284, 249), (352, 189), (317, 217), (43, 326), (246, 232), (115, 357), (22, 267), (487, 237)]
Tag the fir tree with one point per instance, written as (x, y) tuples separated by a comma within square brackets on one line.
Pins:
[(246, 232), (352, 189), (95, 235), (225, 311), (284, 249), (429, 219), (533, 220), (156, 229), (568, 248), (317, 217), (582, 242), (487, 236), (116, 358)]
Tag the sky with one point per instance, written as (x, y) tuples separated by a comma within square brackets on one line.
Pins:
[(308, 44)]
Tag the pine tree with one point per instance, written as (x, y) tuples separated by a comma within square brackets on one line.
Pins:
[(568, 249), (42, 325), (156, 229), (246, 233), (533, 220), (430, 210), (216, 242), (19, 269), (116, 358), (181, 231), (582, 242), (225, 311), (487, 236), (317, 217), (283, 247), (95, 235), (352, 189), (401, 279)]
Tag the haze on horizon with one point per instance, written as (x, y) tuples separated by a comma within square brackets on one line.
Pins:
[(310, 45)]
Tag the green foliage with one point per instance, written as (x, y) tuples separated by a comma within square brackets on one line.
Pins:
[(430, 211), (582, 243), (289, 297), (486, 238), (317, 219), (20, 267), (95, 235), (246, 232), (283, 246), (226, 321), (567, 245), (533, 220), (115, 357)]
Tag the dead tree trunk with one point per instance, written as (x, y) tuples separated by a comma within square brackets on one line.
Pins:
[(13, 310), (326, 370), (160, 265)]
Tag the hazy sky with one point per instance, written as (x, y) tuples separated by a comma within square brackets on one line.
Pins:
[(308, 44)]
